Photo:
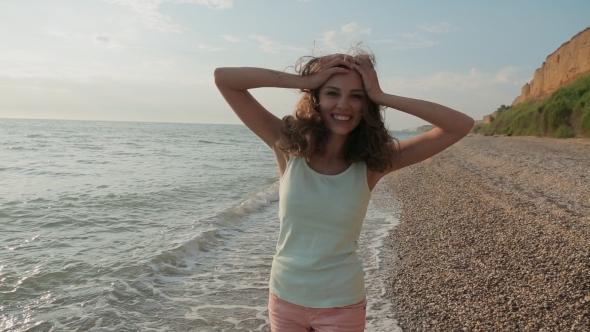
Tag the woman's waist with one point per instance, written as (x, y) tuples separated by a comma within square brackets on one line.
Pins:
[(309, 262)]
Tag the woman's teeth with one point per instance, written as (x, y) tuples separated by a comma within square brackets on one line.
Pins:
[(341, 117)]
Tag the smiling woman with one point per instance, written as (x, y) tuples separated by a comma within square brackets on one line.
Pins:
[(341, 106), (330, 154)]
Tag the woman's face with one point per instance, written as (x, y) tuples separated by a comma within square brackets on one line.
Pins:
[(341, 101)]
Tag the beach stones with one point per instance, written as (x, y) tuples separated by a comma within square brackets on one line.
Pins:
[(494, 236)]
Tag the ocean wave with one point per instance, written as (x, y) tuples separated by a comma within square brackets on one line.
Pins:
[(252, 204), (211, 142), (218, 227), (183, 255)]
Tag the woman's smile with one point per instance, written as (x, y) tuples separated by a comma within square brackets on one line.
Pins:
[(341, 117), (341, 102)]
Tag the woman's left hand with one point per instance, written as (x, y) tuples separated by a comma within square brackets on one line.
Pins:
[(363, 65)]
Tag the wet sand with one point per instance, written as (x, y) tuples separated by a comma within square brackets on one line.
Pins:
[(494, 236)]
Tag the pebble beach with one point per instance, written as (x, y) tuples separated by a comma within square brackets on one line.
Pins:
[(494, 235)]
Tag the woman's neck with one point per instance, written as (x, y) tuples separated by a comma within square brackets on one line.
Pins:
[(333, 160), (334, 148)]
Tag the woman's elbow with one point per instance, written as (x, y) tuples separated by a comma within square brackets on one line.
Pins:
[(467, 125), (219, 75)]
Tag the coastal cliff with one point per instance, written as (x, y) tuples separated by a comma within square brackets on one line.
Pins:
[(556, 103), (569, 62)]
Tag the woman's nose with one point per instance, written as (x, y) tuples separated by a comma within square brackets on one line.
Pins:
[(343, 103)]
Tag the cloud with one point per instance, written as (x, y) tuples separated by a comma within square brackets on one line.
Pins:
[(233, 39), (442, 27), (44, 66), (103, 39), (353, 29), (506, 74), (148, 11), (270, 46), (473, 91), (510, 75), (215, 4), (19, 64), (98, 40), (333, 40), (15, 55), (165, 64), (409, 41), (455, 81), (210, 48), (58, 32)]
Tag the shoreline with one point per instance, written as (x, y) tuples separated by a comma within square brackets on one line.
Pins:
[(494, 235)]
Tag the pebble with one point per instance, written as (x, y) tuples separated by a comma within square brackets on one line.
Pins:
[(494, 235)]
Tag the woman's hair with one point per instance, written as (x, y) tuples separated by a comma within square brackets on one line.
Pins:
[(306, 134)]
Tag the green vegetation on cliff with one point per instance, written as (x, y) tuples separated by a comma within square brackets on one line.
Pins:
[(566, 113)]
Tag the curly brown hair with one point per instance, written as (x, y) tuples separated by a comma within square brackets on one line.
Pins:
[(306, 134)]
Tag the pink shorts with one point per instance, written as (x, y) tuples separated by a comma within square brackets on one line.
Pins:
[(289, 317)]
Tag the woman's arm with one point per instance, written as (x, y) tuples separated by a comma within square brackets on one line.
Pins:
[(450, 125), (234, 83)]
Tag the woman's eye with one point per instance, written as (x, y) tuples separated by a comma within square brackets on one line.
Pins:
[(332, 93), (357, 96)]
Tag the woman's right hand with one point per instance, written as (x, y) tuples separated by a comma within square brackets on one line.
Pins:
[(331, 65)]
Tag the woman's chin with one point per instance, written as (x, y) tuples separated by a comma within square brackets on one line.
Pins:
[(340, 131)]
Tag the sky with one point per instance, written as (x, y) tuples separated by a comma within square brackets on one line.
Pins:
[(153, 60)]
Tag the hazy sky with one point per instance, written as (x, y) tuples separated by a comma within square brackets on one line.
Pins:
[(153, 60)]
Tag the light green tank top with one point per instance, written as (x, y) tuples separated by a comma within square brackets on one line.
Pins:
[(321, 217)]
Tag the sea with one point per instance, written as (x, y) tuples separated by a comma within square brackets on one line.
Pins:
[(136, 226)]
